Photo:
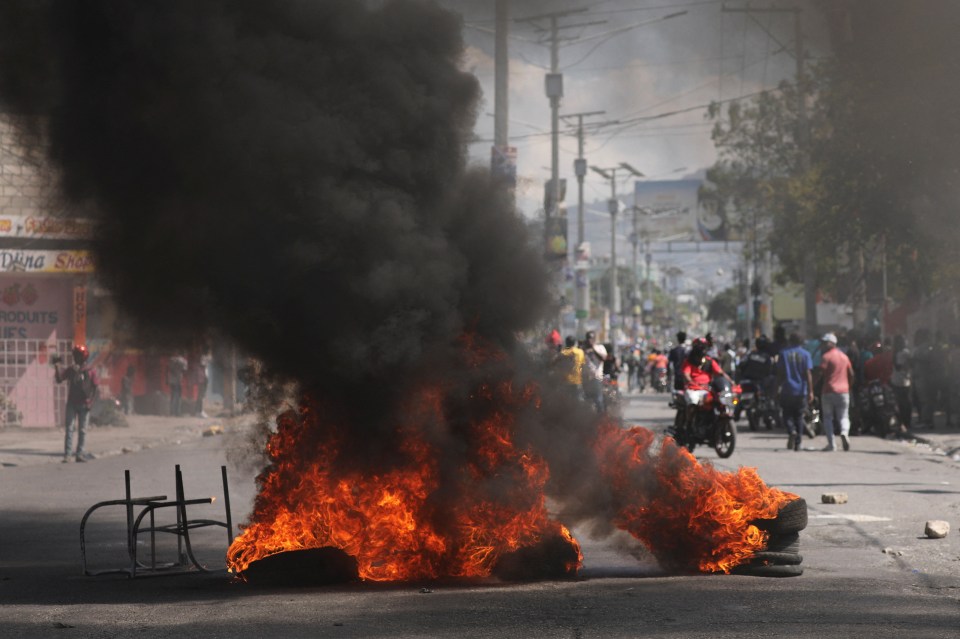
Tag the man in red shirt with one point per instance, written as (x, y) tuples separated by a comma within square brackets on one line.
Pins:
[(880, 366), (837, 377)]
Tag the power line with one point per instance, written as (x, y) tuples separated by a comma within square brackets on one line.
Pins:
[(657, 116)]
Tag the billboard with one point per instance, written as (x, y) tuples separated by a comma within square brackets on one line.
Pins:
[(674, 207)]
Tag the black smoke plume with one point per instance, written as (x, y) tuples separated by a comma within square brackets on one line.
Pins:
[(290, 173)]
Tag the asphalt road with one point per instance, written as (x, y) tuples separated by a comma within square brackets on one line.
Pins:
[(850, 587)]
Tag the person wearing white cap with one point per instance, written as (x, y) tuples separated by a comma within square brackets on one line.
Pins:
[(835, 397)]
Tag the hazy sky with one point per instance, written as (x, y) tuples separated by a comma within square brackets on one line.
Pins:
[(681, 63)]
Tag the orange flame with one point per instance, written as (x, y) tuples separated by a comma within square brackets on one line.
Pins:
[(421, 516), (690, 515), (392, 521)]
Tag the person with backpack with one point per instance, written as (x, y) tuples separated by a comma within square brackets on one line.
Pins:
[(81, 391)]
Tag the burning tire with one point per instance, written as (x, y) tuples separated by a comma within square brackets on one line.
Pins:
[(791, 518), (781, 557), (769, 571), (766, 558), (789, 543), (303, 568)]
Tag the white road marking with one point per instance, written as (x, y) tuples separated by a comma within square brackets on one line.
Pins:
[(851, 517)]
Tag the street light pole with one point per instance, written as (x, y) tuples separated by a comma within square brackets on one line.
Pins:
[(614, 207), (582, 280)]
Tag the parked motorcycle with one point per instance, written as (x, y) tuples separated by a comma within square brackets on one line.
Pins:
[(878, 409), (705, 416), (812, 420), (759, 405)]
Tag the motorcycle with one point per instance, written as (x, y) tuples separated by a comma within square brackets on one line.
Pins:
[(611, 396), (759, 405), (660, 380), (812, 421), (878, 407), (705, 416)]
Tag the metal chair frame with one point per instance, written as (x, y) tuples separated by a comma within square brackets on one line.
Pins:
[(148, 507)]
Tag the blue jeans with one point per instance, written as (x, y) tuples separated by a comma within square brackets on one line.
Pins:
[(75, 415)]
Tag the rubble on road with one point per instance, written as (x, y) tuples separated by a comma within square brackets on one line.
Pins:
[(834, 498), (936, 529)]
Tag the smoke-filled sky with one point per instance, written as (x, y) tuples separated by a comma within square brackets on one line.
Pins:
[(677, 64), (290, 173)]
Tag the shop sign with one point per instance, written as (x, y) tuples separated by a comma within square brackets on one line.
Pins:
[(46, 261), (45, 227)]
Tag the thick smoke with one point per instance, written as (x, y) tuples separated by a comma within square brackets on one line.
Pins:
[(290, 173), (293, 174), (898, 63)]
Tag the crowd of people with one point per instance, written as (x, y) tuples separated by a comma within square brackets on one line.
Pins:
[(828, 373)]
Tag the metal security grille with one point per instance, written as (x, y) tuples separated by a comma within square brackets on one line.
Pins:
[(29, 395)]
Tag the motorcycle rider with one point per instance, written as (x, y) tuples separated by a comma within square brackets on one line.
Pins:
[(758, 368), (699, 368)]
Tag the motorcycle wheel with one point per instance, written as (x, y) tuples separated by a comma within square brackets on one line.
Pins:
[(753, 419), (725, 438)]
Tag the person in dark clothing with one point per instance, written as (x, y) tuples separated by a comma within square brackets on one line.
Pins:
[(757, 366), (81, 391), (901, 380), (126, 390), (176, 368), (676, 358), (795, 382)]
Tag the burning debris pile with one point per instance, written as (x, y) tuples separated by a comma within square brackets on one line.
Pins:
[(293, 175), (464, 494)]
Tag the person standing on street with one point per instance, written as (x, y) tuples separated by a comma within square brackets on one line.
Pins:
[(176, 368), (676, 359), (202, 380), (795, 382), (901, 380), (569, 363), (126, 390), (837, 377), (593, 371), (81, 391)]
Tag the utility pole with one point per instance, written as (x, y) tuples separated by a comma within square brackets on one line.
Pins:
[(581, 255), (550, 35), (614, 207), (809, 263), (501, 103)]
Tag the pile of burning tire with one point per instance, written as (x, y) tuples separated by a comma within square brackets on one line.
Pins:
[(781, 557)]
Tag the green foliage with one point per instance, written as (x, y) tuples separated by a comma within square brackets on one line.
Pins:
[(723, 307), (813, 181)]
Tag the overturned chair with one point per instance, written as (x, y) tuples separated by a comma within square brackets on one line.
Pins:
[(139, 509)]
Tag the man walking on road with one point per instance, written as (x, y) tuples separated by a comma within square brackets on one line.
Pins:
[(795, 382), (837, 381)]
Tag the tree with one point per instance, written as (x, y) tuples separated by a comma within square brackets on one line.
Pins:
[(723, 307)]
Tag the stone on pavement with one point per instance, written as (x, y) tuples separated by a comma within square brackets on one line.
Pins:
[(834, 498), (937, 529)]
